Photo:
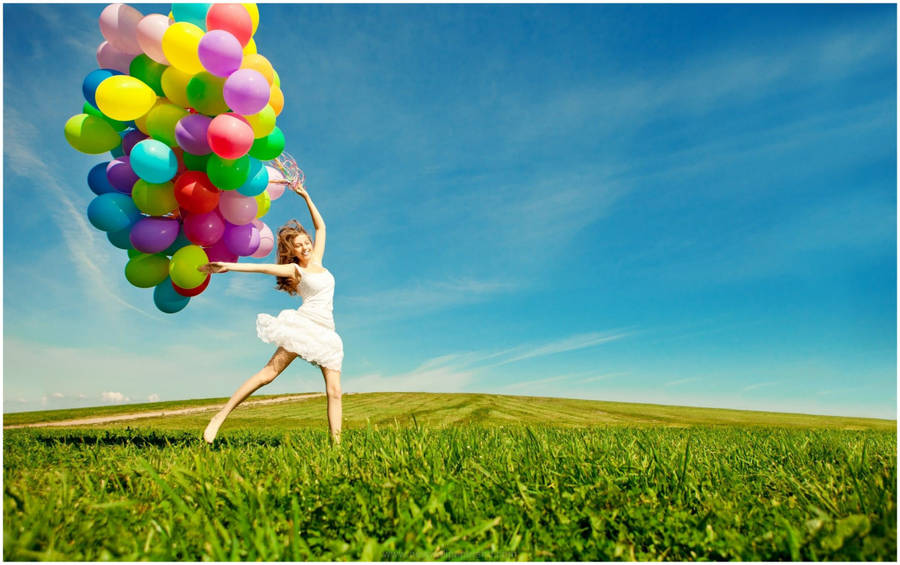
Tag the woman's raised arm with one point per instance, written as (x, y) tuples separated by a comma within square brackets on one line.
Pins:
[(318, 223)]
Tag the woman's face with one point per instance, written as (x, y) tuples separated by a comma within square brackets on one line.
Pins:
[(302, 247)]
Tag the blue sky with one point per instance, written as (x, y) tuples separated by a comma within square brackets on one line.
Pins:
[(690, 205)]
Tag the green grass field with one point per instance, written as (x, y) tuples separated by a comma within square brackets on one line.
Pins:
[(454, 477)]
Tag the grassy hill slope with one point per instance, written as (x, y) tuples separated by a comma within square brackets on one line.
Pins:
[(439, 410)]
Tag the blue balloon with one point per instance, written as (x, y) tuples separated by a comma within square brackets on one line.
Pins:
[(179, 242), (98, 181), (113, 211), (193, 13), (117, 152), (153, 161), (257, 180), (92, 81), (120, 238), (167, 299)]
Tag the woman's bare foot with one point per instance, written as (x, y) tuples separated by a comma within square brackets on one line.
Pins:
[(213, 428)]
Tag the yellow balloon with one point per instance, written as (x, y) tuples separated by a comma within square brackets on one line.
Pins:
[(254, 15), (161, 122), (250, 48), (263, 202), (124, 98), (174, 85), (262, 123), (141, 122), (180, 44), (277, 81)]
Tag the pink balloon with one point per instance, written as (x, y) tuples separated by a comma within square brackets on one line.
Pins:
[(275, 189), (266, 239), (150, 31), (220, 252), (229, 136), (236, 208), (118, 24), (108, 57), (204, 229)]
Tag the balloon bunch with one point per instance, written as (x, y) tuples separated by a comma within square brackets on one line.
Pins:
[(187, 108)]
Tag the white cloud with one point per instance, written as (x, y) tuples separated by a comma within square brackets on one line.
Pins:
[(153, 398), (57, 395), (114, 397)]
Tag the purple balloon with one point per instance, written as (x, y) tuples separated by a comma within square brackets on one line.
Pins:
[(120, 174), (246, 91), (219, 252), (152, 235), (131, 139), (241, 240), (190, 134), (220, 52), (204, 229)]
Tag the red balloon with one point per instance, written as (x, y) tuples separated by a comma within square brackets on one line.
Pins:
[(192, 291), (229, 136), (232, 18), (196, 193)]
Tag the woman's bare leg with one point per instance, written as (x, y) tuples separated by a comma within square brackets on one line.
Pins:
[(278, 363), (333, 394)]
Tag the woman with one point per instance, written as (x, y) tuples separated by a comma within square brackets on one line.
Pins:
[(307, 331)]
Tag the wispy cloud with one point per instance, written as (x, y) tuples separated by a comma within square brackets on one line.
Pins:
[(572, 343), (89, 257), (425, 297), (682, 381), (454, 372), (153, 398), (755, 386)]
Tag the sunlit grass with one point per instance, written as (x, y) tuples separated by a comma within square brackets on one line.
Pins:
[(443, 479)]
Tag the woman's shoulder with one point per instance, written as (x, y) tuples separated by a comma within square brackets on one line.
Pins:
[(312, 268)]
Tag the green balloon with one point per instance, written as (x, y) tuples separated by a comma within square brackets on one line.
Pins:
[(90, 134), (184, 264), (227, 174), (161, 121), (204, 93), (195, 162), (91, 111), (132, 252), (146, 270), (268, 147), (149, 71), (154, 199)]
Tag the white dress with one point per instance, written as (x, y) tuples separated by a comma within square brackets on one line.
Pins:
[(307, 331)]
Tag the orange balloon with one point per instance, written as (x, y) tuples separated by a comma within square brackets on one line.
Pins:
[(276, 100), (259, 63)]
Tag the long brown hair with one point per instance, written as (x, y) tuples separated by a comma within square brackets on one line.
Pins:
[(286, 235)]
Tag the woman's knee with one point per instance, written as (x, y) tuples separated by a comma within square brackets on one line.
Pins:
[(333, 391), (332, 384), (267, 375)]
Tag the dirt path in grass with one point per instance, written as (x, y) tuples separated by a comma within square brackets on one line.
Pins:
[(155, 413)]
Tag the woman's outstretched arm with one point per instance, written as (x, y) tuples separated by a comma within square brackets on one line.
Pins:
[(286, 270), (318, 223)]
